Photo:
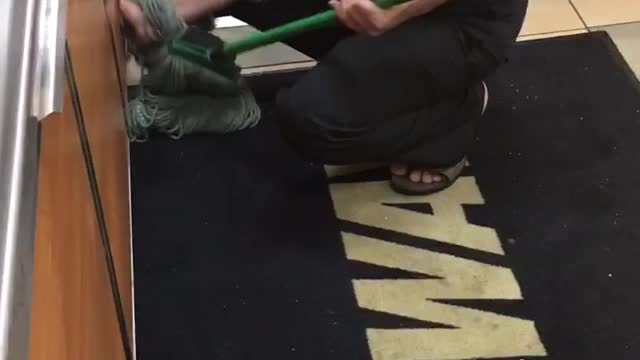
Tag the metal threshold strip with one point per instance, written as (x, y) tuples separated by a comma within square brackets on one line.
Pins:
[(32, 36)]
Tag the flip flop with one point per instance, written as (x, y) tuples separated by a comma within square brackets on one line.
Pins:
[(404, 185)]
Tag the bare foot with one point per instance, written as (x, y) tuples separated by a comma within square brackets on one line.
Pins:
[(144, 34), (416, 175)]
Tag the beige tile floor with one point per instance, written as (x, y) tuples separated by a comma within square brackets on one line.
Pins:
[(620, 18), (627, 38), (273, 58)]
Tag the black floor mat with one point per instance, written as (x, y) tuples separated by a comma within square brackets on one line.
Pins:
[(239, 254)]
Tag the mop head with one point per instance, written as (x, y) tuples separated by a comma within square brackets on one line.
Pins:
[(178, 97)]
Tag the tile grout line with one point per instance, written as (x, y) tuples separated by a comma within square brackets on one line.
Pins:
[(553, 32), (579, 15), (637, 22)]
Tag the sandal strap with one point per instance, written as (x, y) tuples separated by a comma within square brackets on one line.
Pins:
[(452, 172)]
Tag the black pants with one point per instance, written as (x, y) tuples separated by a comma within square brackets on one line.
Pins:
[(411, 95)]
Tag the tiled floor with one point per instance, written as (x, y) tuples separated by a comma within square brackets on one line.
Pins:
[(620, 18), (276, 57), (627, 37)]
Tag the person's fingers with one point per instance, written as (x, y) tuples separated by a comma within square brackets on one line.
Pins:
[(366, 14), (362, 16), (144, 34), (363, 13), (150, 33), (343, 11)]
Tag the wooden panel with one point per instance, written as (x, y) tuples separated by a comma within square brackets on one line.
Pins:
[(90, 39), (73, 316), (113, 16)]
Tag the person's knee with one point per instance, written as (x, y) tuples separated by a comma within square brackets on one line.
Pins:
[(307, 130)]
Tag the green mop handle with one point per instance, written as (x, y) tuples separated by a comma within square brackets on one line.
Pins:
[(315, 22)]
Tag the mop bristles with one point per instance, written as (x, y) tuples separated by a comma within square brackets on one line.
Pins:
[(179, 97)]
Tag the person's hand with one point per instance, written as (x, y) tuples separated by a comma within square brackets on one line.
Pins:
[(142, 32), (363, 16)]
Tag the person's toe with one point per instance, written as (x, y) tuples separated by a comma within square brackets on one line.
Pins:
[(415, 176), (427, 178), (398, 169)]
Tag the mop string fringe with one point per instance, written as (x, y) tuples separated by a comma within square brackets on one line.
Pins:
[(177, 97)]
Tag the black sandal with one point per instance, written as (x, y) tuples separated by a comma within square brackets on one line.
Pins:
[(404, 185)]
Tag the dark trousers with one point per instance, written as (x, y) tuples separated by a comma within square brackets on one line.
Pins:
[(412, 95)]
